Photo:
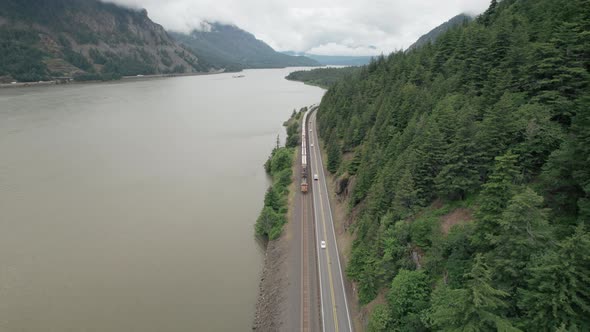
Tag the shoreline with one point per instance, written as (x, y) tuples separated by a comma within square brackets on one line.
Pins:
[(272, 299), (122, 79), (273, 305), (272, 289)]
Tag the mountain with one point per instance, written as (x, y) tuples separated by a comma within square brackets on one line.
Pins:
[(336, 60), (464, 166), (433, 34), (85, 39), (229, 47)]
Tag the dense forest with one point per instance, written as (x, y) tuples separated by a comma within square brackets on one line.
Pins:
[(466, 166), (433, 34), (322, 77)]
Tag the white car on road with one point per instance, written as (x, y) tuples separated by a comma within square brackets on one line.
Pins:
[(323, 244), (315, 177)]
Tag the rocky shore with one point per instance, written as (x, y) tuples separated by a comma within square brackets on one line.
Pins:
[(273, 287)]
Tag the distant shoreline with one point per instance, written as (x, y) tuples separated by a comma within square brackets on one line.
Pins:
[(124, 78)]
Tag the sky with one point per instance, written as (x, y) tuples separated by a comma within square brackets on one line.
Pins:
[(326, 27)]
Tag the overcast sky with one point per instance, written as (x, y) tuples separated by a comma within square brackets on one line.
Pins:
[(328, 27)]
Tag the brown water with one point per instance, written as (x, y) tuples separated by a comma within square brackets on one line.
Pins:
[(130, 206)]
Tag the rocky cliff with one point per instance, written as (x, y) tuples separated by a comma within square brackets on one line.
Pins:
[(85, 39)]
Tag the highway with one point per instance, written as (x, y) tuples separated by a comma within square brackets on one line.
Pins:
[(335, 316)]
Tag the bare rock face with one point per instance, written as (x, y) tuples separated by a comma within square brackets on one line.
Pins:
[(96, 38)]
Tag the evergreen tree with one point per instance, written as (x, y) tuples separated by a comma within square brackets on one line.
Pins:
[(523, 232), (557, 291), (406, 194), (459, 176), (334, 157), (495, 196), (430, 160), (477, 307), (355, 163), (496, 132), (487, 16)]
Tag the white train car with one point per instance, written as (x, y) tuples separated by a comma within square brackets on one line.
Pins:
[(304, 159)]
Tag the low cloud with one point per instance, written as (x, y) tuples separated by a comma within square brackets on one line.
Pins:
[(330, 27)]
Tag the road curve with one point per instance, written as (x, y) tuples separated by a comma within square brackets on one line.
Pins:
[(334, 305)]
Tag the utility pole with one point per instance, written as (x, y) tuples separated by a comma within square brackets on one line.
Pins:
[(278, 142)]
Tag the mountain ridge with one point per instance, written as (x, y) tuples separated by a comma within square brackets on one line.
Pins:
[(85, 40), (231, 47), (433, 34), (335, 60)]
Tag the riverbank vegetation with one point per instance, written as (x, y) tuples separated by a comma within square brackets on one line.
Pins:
[(269, 224), (466, 168), (279, 166)]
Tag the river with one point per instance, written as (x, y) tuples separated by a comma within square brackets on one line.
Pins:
[(129, 206)]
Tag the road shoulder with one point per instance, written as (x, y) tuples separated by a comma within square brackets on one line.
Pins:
[(344, 239)]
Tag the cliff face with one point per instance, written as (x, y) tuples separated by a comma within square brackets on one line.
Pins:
[(87, 39)]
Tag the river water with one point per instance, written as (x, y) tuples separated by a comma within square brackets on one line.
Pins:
[(130, 206)]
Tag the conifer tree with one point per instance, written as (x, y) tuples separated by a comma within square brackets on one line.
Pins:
[(405, 194), (459, 176), (523, 232), (477, 307), (557, 291), (495, 196)]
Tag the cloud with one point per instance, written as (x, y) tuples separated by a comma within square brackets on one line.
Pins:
[(335, 27)]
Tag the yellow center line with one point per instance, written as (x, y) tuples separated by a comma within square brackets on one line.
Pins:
[(327, 250)]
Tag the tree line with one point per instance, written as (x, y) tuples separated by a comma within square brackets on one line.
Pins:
[(273, 216)]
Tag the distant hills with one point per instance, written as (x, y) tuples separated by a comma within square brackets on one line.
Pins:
[(434, 33), (229, 47), (88, 39), (335, 60)]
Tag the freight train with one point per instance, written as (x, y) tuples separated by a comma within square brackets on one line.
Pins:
[(304, 155), (304, 184)]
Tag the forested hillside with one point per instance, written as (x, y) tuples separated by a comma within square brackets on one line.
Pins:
[(433, 34), (85, 39), (466, 165), (227, 46), (323, 77)]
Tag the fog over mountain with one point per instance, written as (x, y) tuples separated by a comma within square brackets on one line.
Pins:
[(323, 27)]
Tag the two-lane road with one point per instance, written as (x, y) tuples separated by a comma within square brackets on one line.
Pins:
[(334, 306)]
